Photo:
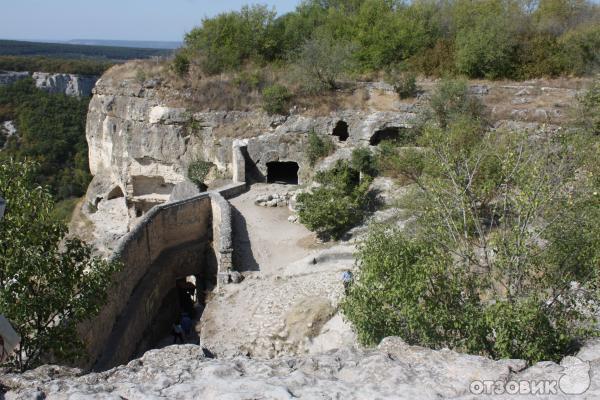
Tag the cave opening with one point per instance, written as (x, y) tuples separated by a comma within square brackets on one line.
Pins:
[(341, 131), (115, 193), (285, 172), (390, 133)]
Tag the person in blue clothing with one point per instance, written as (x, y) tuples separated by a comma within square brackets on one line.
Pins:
[(186, 324), (347, 278)]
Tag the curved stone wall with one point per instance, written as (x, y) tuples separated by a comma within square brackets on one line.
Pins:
[(171, 240), (176, 239)]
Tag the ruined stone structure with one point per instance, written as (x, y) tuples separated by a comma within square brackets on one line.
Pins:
[(144, 208), (176, 239)]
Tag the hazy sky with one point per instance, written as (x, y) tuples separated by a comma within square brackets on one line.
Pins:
[(166, 20)]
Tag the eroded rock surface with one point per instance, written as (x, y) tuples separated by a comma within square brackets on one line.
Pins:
[(68, 84), (393, 371)]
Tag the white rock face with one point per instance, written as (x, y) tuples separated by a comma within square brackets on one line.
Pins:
[(10, 77), (394, 371), (69, 84)]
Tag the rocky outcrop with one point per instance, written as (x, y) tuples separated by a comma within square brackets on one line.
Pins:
[(69, 84), (393, 371), (10, 77), (141, 142), (7, 129)]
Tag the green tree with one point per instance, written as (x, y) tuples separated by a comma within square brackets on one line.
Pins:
[(276, 99), (318, 147), (228, 40), (323, 61), (363, 161), (338, 204), (486, 38), (502, 259), (48, 282), (450, 101), (181, 64)]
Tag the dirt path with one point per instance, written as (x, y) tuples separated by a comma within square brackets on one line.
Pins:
[(292, 284), (264, 239)]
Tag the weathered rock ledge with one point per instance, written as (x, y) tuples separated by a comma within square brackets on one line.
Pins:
[(393, 371)]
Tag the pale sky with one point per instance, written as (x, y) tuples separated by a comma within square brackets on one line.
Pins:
[(161, 20)]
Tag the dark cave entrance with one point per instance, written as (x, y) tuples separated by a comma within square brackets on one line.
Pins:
[(282, 172), (341, 131), (115, 193), (391, 133)]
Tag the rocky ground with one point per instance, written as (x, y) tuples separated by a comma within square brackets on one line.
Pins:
[(393, 371)]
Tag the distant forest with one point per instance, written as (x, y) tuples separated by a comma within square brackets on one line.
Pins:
[(73, 51), (51, 131), (54, 65)]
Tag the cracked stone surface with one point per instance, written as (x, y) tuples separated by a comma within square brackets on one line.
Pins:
[(394, 370)]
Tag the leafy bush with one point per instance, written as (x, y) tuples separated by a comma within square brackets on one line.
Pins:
[(275, 99), (198, 171), (318, 147), (181, 64), (502, 260), (451, 100), (228, 40), (588, 109), (338, 204), (363, 161), (322, 61), (405, 84), (48, 283)]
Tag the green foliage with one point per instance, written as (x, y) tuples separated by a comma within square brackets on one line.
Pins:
[(48, 283), (503, 235), (63, 210), (276, 99), (588, 109), (51, 130), (363, 161), (318, 147), (405, 83), (488, 38), (54, 65), (451, 100), (228, 40), (181, 64), (322, 61), (338, 204), (198, 171)]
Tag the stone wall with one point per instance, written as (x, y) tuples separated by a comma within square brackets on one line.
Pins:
[(171, 240), (176, 239)]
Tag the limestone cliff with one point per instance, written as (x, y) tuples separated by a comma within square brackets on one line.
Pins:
[(68, 84), (141, 142)]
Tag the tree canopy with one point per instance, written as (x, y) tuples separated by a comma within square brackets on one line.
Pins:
[(487, 38), (48, 282)]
